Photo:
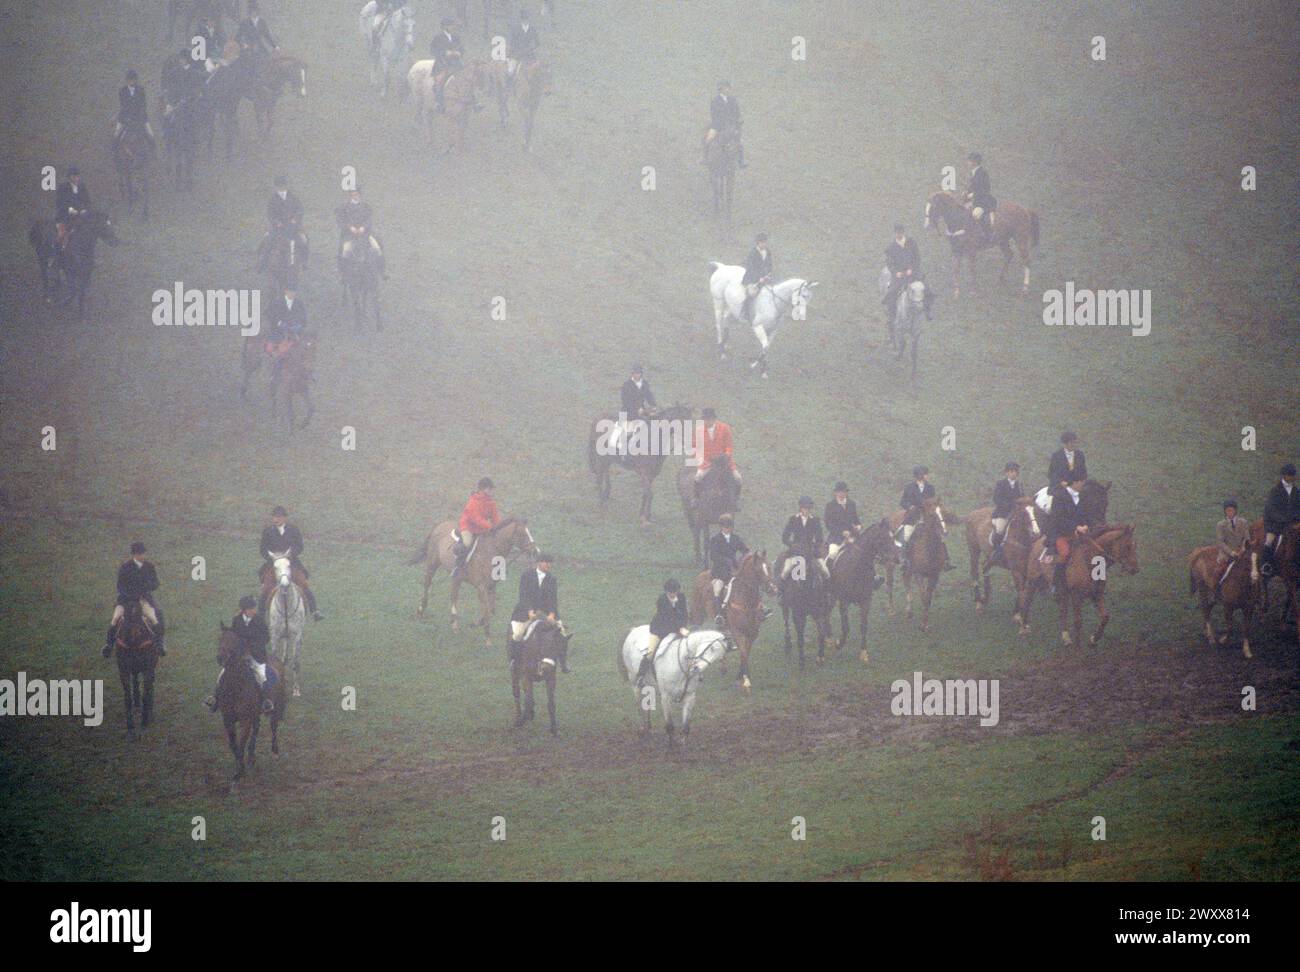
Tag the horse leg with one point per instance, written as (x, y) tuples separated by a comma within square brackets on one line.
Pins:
[(146, 703), (889, 585), (927, 592), (485, 616), (1104, 616), (514, 686), (864, 608), (916, 340), (252, 740), (1247, 609), (1207, 612), (800, 620), (647, 495), (550, 697), (431, 567), (455, 595), (130, 709), (1005, 246), (844, 624), (236, 748), (529, 707), (785, 616)]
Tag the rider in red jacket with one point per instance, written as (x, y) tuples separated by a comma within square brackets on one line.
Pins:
[(479, 516)]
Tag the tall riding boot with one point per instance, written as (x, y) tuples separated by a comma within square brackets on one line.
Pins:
[(1058, 578), (110, 639), (158, 634), (309, 596), (740, 156), (1266, 568)]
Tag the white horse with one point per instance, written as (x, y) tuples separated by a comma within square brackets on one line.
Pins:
[(909, 312), (287, 618), (389, 37), (419, 81), (674, 677), (771, 306)]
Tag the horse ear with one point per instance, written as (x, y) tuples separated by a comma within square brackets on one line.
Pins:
[(815, 283), (1106, 486)]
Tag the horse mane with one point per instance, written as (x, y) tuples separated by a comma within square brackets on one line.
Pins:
[(507, 522)]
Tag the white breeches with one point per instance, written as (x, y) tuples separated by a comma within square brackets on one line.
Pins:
[(146, 609)]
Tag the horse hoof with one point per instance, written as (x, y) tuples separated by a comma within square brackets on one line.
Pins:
[(1223, 639), (1245, 650), (744, 684), (864, 657), (297, 692), (1065, 638), (1094, 640), (979, 607)]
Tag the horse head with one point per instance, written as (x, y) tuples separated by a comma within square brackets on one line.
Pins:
[(1124, 549), (283, 568), (945, 207), (715, 649), (514, 532)]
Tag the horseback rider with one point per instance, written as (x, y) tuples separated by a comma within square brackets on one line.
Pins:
[(133, 107), (71, 202), (254, 638), (669, 619), (979, 194), (288, 321), (803, 535), (137, 579), (726, 550), (1067, 463), (758, 274), (180, 80), (842, 523), (1068, 520), (254, 36), (538, 597), (283, 537), (214, 41), (1281, 509), (636, 402), (724, 114), (912, 504), (479, 516), (354, 219), (284, 219), (522, 47), (1007, 494), (715, 445), (448, 58), (903, 260), (1231, 536)]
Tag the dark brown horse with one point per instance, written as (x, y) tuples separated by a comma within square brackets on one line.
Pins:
[(1012, 223), (532, 83), (295, 374), (721, 156), (1023, 528), (1286, 562), (642, 456), (240, 701), (1087, 568), (535, 659), (926, 558), (137, 660), (718, 493), (853, 578), (133, 158), (805, 594), (744, 612), (1236, 587)]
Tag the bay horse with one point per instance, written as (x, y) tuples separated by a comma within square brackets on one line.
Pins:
[(137, 660), (1012, 223), (1023, 529), (678, 667), (270, 76), (744, 612), (646, 464), (926, 558), (180, 135), (133, 158), (1286, 560), (535, 659), (804, 594), (359, 270), (532, 82), (1112, 544), (240, 701), (295, 372), (718, 493), (721, 157), (483, 571), (853, 578), (283, 256), (74, 264), (1237, 588)]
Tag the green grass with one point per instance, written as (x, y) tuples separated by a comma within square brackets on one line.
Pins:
[(1134, 166)]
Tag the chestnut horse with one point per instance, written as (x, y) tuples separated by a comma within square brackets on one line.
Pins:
[(240, 700), (1012, 223), (481, 571), (1022, 530), (925, 561), (458, 97), (532, 82), (295, 374), (1085, 577), (1237, 588), (744, 612)]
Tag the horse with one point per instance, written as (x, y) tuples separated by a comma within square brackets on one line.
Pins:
[(909, 312), (721, 157), (1237, 588), (180, 135), (137, 660), (1112, 544), (295, 372), (678, 667), (286, 619), (459, 99), (133, 157), (1022, 529), (240, 700), (1286, 559), (388, 38), (283, 257), (744, 613), (493, 548), (926, 556), (271, 74), (853, 578), (770, 307), (531, 83), (804, 594), (1012, 223), (75, 262), (645, 463), (218, 106), (359, 269), (535, 659), (186, 12), (718, 493)]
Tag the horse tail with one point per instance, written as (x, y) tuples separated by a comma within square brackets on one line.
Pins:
[(622, 666), (713, 267), (1033, 228), (593, 459), (1191, 578), (419, 555)]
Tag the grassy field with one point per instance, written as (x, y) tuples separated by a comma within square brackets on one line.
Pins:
[(1134, 164)]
